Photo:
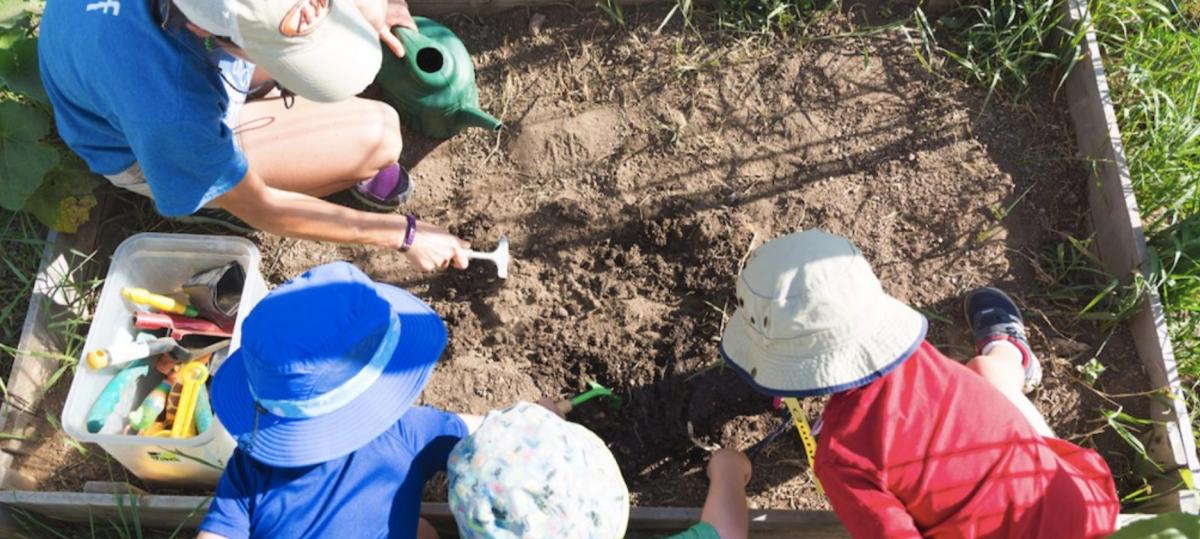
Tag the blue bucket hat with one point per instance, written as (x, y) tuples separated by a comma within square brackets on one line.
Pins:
[(328, 362)]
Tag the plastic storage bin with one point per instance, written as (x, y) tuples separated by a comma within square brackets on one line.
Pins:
[(161, 263)]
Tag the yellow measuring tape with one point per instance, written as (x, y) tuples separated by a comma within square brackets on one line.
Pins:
[(810, 444)]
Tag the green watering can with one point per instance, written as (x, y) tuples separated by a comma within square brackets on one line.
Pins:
[(433, 86)]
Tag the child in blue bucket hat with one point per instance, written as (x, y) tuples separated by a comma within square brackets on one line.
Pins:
[(320, 399)]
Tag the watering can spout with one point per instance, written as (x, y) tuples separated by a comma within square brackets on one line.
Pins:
[(473, 117)]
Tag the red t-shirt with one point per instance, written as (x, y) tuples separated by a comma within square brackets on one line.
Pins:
[(931, 449)]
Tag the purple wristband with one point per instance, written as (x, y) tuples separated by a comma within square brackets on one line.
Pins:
[(410, 233)]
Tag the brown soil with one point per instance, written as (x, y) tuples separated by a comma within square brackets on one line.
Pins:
[(638, 170)]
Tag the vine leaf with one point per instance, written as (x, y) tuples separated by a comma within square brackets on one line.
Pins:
[(64, 200), (10, 36), (24, 160), (19, 70)]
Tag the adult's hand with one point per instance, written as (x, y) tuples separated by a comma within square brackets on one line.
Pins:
[(298, 215), (383, 15), (435, 248), (398, 15)]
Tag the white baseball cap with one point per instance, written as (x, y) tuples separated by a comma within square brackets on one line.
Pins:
[(323, 50), (812, 319)]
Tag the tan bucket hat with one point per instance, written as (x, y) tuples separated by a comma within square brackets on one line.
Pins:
[(323, 50), (812, 319)]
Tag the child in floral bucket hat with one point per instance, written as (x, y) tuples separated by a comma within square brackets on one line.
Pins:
[(527, 473), (320, 399), (913, 444)]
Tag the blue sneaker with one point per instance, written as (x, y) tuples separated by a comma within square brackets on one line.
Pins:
[(993, 316)]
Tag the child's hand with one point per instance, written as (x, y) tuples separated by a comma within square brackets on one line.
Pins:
[(729, 465), (556, 407)]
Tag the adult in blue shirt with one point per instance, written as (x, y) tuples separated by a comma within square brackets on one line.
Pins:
[(319, 398), (152, 94)]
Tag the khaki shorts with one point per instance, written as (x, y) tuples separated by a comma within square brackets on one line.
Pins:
[(133, 179)]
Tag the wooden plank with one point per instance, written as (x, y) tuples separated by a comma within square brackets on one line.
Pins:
[(168, 511), (1121, 245), (162, 512), (112, 487)]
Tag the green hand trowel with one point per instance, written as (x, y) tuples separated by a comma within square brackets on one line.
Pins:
[(595, 390), (433, 86)]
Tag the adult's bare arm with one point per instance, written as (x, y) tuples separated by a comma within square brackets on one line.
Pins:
[(297, 215)]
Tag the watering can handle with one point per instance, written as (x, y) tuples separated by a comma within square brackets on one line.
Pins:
[(414, 42)]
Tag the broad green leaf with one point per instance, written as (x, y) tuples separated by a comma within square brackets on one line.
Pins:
[(64, 201), (19, 70), (10, 36), (24, 160)]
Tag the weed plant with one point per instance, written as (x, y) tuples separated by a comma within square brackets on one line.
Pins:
[(757, 18), (1002, 45), (769, 16)]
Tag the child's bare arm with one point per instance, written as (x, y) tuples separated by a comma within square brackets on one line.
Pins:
[(725, 507)]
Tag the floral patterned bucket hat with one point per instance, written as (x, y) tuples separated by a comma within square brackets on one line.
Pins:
[(527, 473)]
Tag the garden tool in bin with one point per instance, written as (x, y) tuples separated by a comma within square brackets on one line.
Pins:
[(217, 292), (180, 326), (433, 86), (111, 394)]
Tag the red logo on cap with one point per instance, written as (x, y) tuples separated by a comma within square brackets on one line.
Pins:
[(304, 17)]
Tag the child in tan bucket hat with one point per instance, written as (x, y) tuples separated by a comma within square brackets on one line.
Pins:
[(913, 443)]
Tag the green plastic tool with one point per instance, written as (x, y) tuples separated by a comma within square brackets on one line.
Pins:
[(107, 401), (596, 390)]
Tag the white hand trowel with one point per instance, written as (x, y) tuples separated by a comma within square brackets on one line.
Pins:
[(499, 257)]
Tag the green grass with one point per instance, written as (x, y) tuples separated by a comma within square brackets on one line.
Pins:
[(1152, 55), (1002, 45), (739, 18), (21, 242), (769, 16)]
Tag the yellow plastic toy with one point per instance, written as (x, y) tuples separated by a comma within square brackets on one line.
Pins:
[(192, 376), (141, 296), (156, 430)]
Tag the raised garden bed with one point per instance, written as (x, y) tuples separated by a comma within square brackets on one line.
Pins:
[(637, 174)]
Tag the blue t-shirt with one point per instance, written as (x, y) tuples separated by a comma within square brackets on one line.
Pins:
[(125, 90), (372, 492)]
